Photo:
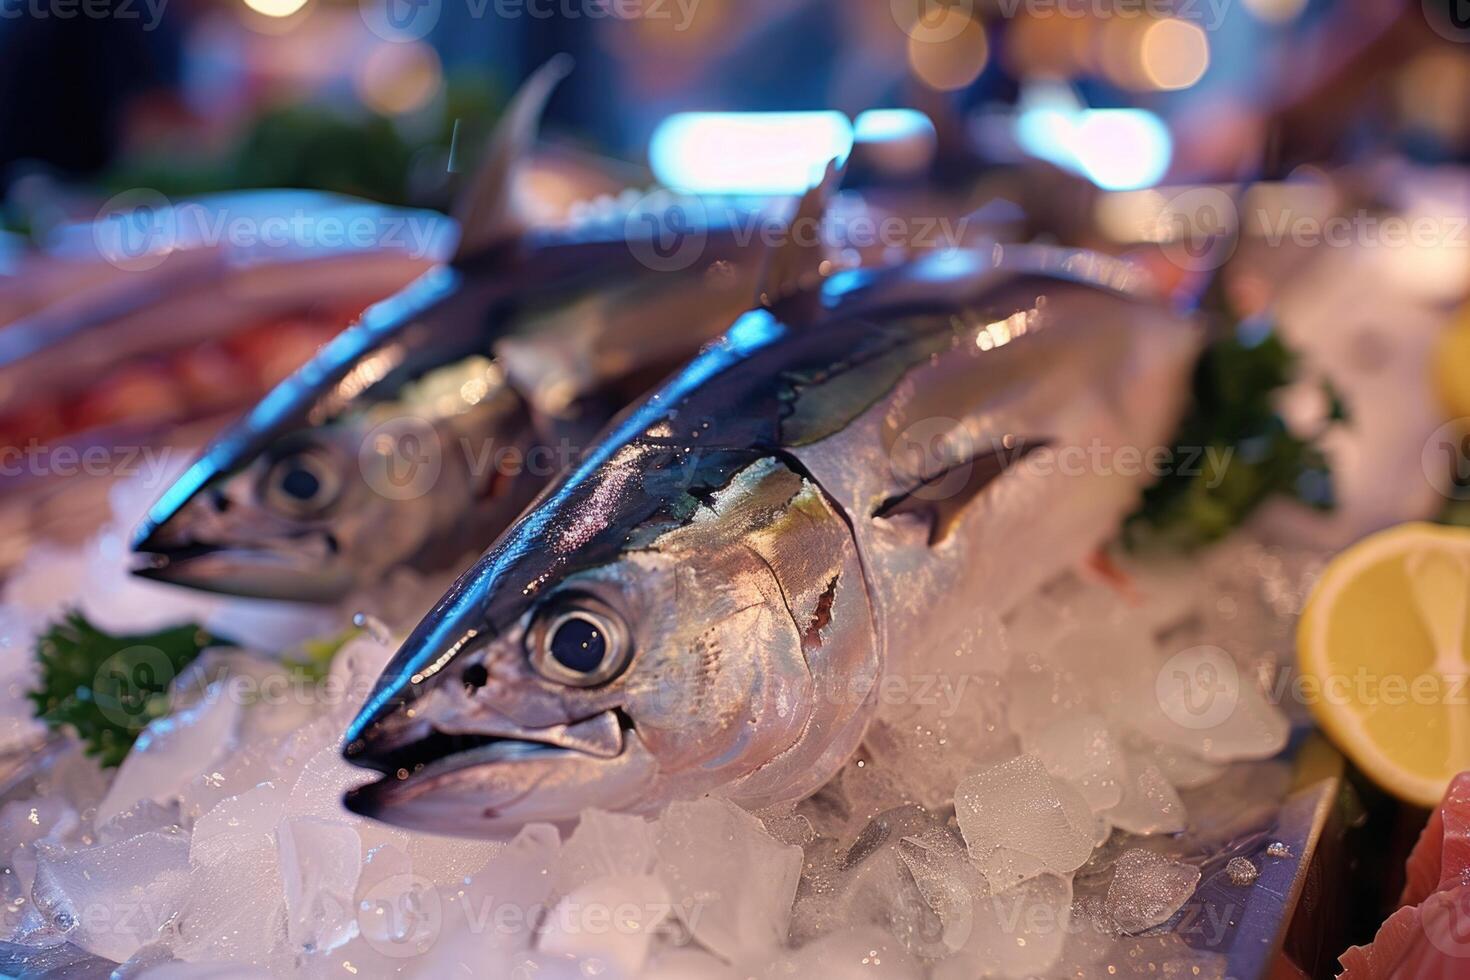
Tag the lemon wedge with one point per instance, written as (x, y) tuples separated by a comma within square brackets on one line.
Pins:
[(1382, 650), (1451, 366)]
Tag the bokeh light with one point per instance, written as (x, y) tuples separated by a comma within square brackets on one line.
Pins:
[(747, 152), (398, 78), (275, 8), (946, 55), (1174, 53), (1276, 11)]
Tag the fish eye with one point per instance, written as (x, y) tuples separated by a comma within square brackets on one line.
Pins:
[(580, 642), (301, 484)]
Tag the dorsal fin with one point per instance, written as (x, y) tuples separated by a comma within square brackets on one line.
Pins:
[(795, 268), (485, 209), (940, 497)]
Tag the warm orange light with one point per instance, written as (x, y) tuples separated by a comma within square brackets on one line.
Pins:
[(399, 77), (946, 54), (1174, 53)]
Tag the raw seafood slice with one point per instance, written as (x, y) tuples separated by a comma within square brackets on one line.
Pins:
[(1429, 936)]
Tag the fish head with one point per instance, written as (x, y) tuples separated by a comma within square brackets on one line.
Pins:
[(614, 654), (346, 468), (282, 522)]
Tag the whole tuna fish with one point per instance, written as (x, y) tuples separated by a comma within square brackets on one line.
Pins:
[(422, 430), (708, 601)]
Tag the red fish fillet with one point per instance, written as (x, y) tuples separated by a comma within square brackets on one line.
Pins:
[(1428, 937)]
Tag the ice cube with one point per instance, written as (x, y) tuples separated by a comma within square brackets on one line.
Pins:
[(1147, 889), (1081, 750), (1089, 953), (1149, 804), (202, 971), (74, 777), (949, 882), (604, 844), (238, 825), (249, 765), (320, 861), (1036, 623), (982, 645), (822, 879), (856, 953), (872, 885), (948, 725), (114, 898), (146, 959), (872, 782), (1239, 802), (354, 670), (235, 904), (731, 883), (462, 957), (170, 751), (1018, 806), (1040, 691), (1017, 932), (609, 921), (317, 792), (1005, 867), (786, 825), (439, 858), (501, 903), (399, 914), (1183, 770), (673, 963), (19, 728), (1199, 700), (357, 959), (829, 812), (25, 826), (23, 822)]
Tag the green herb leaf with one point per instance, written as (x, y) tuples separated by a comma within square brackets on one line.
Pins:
[(315, 660), (1243, 453), (108, 687)]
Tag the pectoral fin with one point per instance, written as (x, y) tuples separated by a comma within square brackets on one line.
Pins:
[(942, 496)]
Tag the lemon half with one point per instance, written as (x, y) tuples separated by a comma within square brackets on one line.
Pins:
[(1382, 647), (1451, 366)]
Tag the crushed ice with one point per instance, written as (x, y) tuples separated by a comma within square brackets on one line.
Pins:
[(1004, 829)]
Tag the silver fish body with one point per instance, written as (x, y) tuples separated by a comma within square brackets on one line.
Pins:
[(709, 600), (425, 428)]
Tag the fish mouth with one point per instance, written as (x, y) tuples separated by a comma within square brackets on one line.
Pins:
[(480, 784), (259, 573), (441, 752)]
